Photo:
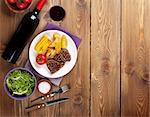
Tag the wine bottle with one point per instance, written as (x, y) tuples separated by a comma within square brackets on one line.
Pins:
[(24, 31)]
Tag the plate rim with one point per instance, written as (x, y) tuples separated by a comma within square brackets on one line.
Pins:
[(48, 31)]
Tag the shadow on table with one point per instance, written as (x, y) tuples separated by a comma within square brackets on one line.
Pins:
[(5, 10)]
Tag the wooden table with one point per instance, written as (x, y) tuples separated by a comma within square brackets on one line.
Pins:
[(109, 79)]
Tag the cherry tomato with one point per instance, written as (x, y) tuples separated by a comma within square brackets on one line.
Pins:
[(21, 5), (27, 1), (11, 1), (41, 59)]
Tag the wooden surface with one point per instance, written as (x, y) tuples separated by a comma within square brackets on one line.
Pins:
[(135, 58), (105, 58), (110, 77)]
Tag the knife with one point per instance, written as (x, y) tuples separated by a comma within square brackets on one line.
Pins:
[(43, 105)]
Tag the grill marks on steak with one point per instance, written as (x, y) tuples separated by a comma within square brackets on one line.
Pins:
[(56, 63), (66, 55), (63, 56), (53, 65), (59, 58)]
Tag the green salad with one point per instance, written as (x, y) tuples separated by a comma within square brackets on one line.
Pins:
[(20, 82)]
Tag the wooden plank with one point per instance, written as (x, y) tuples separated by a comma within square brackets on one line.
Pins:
[(77, 21), (105, 58), (51, 111), (147, 44), (100, 34), (135, 58), (8, 24)]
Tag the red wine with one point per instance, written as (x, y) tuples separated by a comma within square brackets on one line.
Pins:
[(57, 13), (24, 31)]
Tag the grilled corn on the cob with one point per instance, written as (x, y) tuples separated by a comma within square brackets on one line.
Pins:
[(64, 42), (43, 44)]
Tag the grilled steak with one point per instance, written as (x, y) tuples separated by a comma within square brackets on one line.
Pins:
[(53, 65), (59, 58), (63, 56)]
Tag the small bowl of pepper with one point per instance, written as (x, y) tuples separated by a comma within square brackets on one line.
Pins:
[(18, 6)]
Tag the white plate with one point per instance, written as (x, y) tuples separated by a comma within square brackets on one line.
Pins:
[(43, 69)]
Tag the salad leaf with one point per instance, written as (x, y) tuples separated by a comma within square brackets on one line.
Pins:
[(20, 82)]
